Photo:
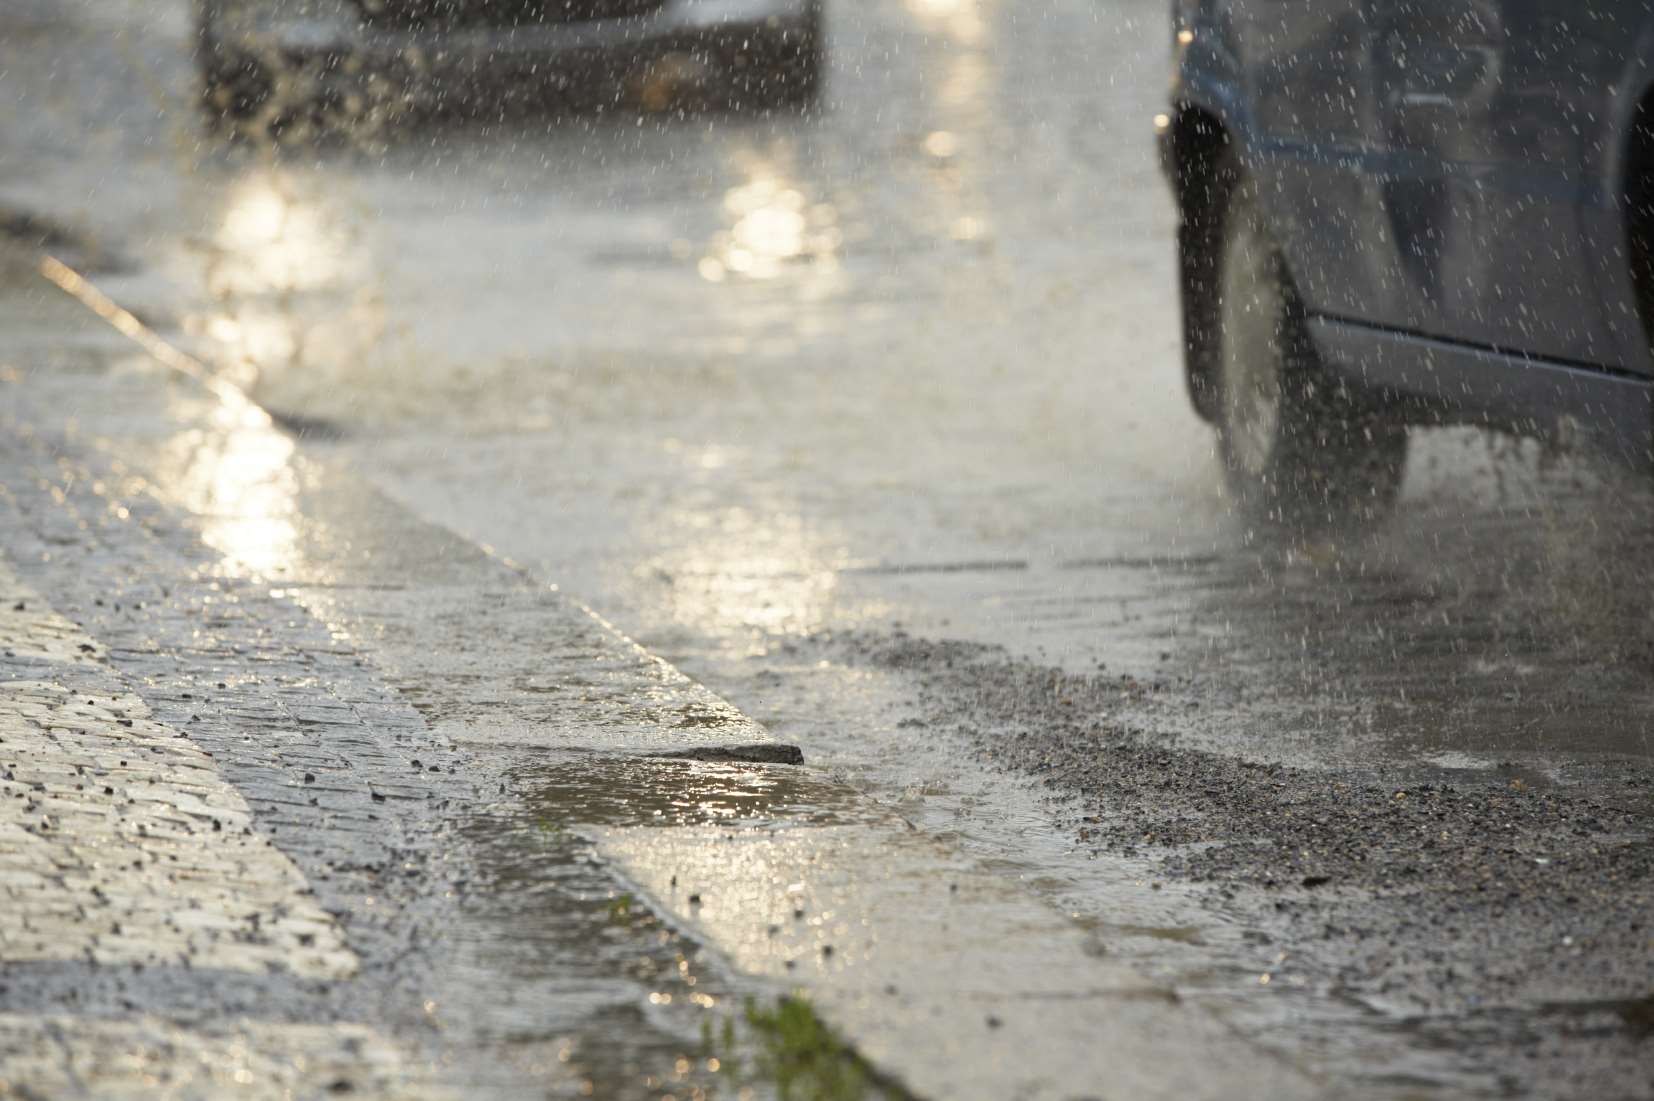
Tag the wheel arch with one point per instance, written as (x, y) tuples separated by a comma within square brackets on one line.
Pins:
[(1197, 141), (1619, 172), (1636, 190)]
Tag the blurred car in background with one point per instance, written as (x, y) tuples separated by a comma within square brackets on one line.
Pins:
[(1396, 212), (267, 61)]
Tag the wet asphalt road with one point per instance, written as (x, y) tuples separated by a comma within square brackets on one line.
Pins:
[(869, 418)]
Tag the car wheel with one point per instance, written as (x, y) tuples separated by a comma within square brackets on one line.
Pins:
[(802, 58), (782, 67), (234, 91), (1300, 448), (256, 96)]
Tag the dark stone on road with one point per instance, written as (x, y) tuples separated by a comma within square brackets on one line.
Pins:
[(763, 754)]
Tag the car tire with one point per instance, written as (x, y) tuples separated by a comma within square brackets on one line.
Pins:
[(783, 68), (235, 91), (239, 90), (1300, 447), (232, 86), (803, 57)]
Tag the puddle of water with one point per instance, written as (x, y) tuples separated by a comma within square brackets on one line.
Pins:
[(1178, 934), (937, 967), (564, 983), (798, 879), (1460, 762), (601, 790), (567, 977), (850, 720)]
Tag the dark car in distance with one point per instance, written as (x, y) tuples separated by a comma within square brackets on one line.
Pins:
[(1396, 212), (263, 60)]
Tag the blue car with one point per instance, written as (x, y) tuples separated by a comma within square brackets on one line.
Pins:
[(1396, 212)]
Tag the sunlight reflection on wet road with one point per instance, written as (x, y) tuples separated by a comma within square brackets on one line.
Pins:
[(699, 369), (745, 383)]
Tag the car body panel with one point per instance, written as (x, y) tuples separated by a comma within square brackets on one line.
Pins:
[(1467, 187), (306, 30), (1300, 66), (1454, 381), (1485, 108)]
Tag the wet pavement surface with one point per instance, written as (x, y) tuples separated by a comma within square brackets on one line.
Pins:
[(527, 917), (485, 934), (870, 420)]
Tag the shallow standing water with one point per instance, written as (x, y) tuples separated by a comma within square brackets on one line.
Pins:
[(747, 384)]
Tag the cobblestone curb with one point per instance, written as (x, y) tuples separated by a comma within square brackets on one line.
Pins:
[(382, 706), (122, 849), (320, 749), (155, 1060)]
